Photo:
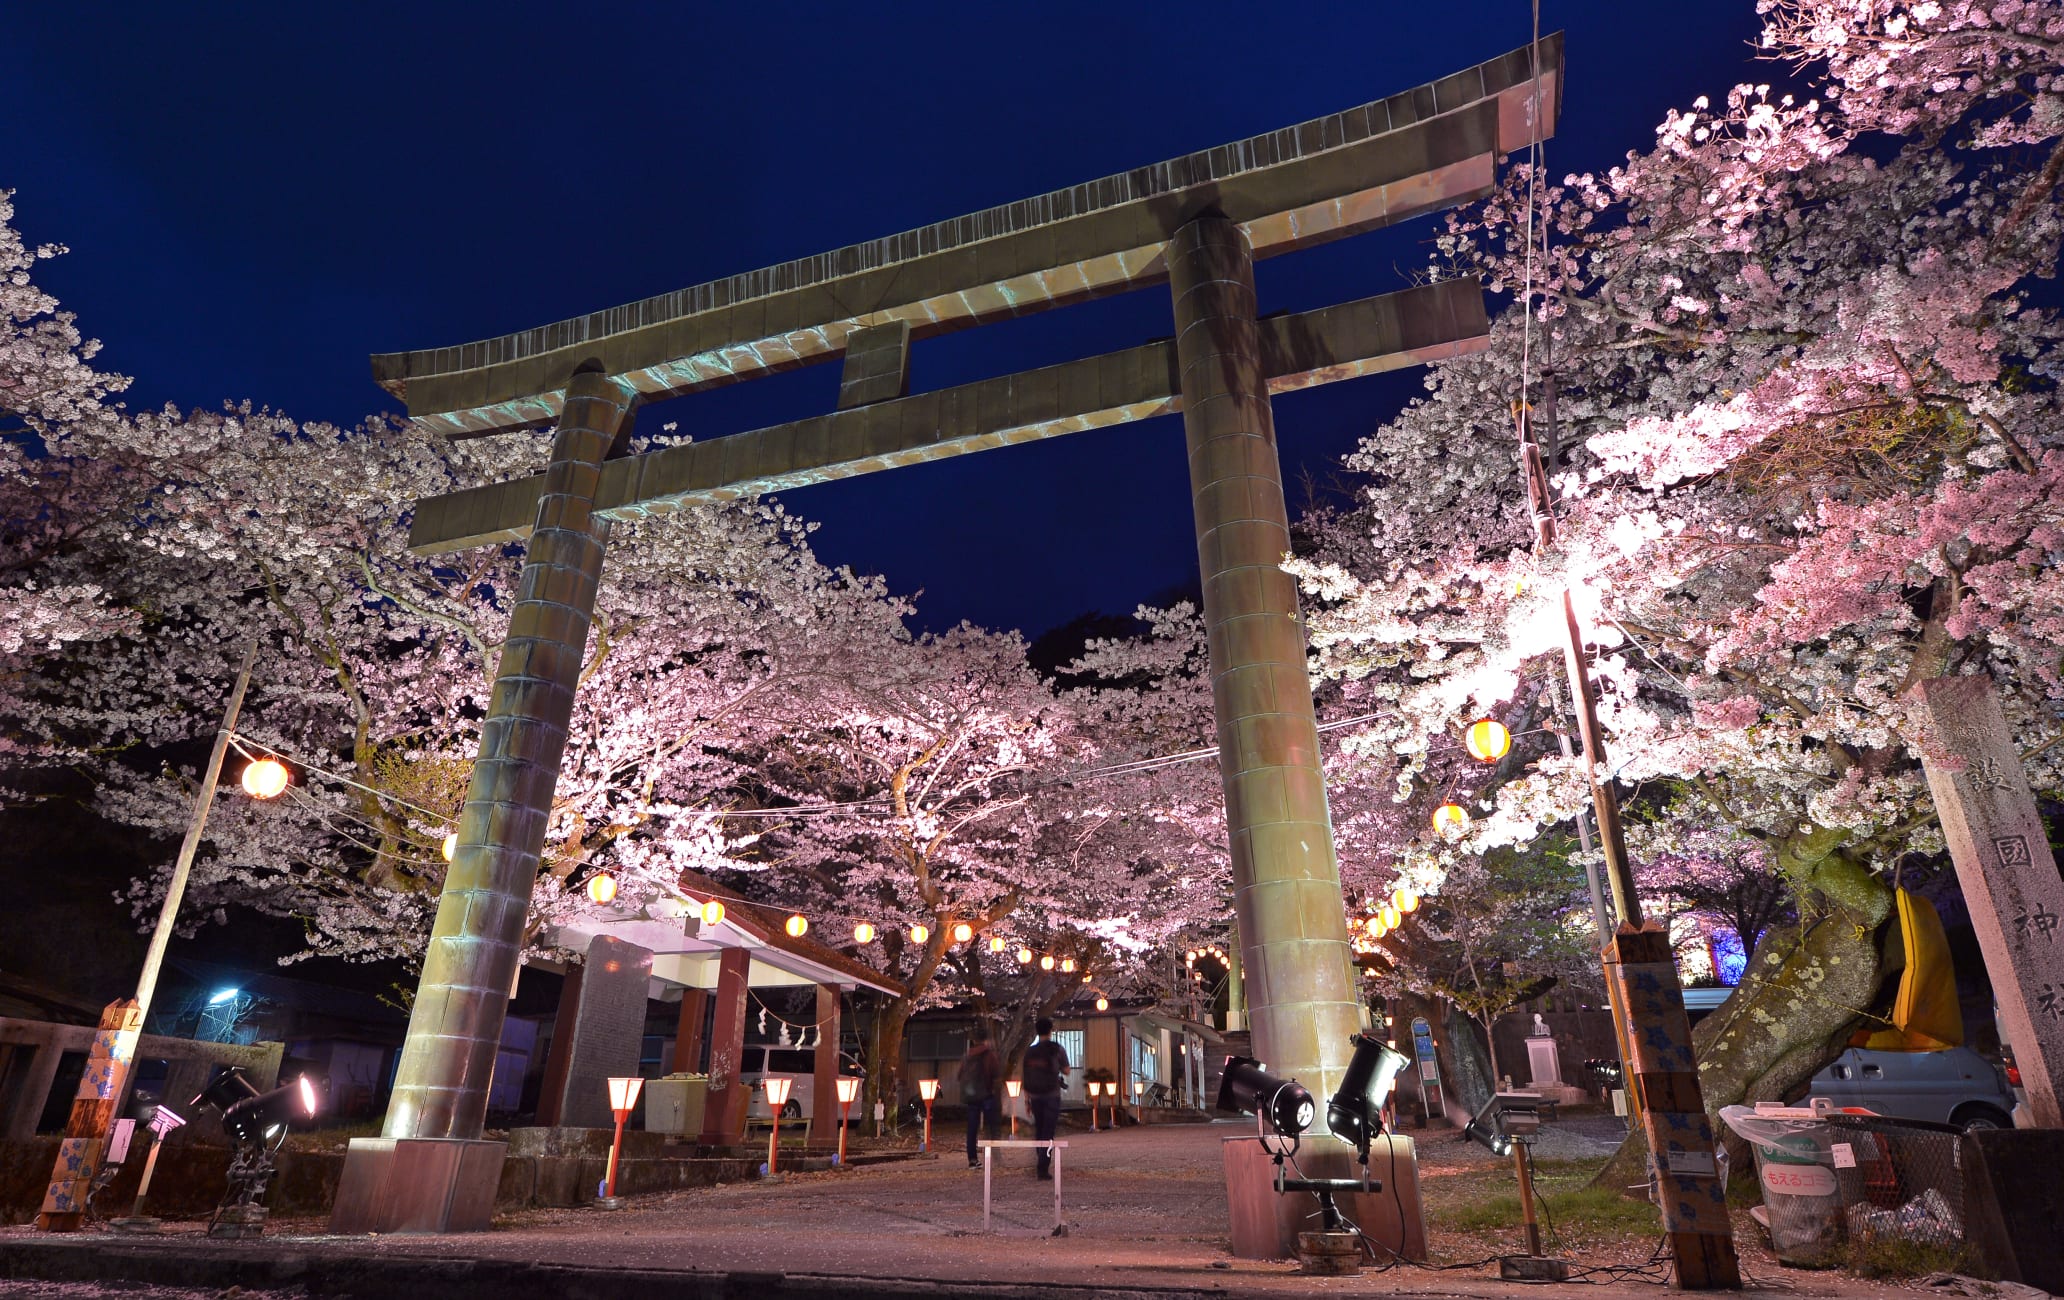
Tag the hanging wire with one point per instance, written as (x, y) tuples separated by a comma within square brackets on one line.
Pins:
[(1534, 159), (437, 818)]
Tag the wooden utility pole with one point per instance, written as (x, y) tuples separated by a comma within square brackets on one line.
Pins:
[(1640, 970), (121, 1024)]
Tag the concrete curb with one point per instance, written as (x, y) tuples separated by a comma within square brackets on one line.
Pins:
[(364, 1274)]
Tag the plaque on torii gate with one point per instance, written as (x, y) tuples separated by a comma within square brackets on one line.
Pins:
[(1196, 223)]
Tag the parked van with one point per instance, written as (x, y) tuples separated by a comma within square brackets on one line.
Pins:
[(798, 1064), (1956, 1086)]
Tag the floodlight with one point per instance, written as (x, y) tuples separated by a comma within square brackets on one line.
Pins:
[(1507, 1115), (1283, 1104), (222, 995), (261, 1118), (225, 1090), (1356, 1111)]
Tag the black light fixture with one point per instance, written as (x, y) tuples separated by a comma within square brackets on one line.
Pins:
[(1506, 1125), (1283, 1104), (224, 1091), (263, 1118), (1505, 1116), (1356, 1111), (257, 1125)]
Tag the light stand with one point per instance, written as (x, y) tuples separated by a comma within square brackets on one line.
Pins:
[(257, 1127), (777, 1086), (1509, 1122), (929, 1090), (163, 1120), (623, 1095), (1283, 1109), (1014, 1087), (1355, 1113), (848, 1093)]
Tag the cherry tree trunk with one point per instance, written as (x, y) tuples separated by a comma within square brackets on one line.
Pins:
[(1800, 997)]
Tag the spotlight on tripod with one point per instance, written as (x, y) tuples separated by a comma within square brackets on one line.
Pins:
[(1356, 1111), (256, 1124), (1283, 1105), (1506, 1125)]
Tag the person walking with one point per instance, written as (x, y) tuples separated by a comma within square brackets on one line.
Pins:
[(1046, 1073), (981, 1078)]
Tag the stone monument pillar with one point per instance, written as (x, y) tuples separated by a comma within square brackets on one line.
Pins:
[(2002, 854), (401, 1181), (1543, 1063), (1301, 1003), (607, 1031)]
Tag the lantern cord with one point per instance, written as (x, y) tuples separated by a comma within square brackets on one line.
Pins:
[(270, 751), (1534, 159)]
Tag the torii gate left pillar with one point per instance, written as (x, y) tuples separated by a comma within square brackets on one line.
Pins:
[(430, 1171)]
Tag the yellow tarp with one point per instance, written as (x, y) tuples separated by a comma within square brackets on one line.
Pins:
[(1925, 1016)]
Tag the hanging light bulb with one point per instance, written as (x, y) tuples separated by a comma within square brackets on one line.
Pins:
[(713, 913), (1067, 965), (797, 926), (920, 933), (265, 779), (1377, 929), (451, 845), (1373, 924), (996, 943), (1450, 820), (863, 933), (602, 887), (1024, 956), (1085, 979), (1487, 741), (1046, 962), (1404, 899), (962, 932), (1391, 916), (1103, 1004)]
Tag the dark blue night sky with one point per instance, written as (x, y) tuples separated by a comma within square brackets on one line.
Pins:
[(260, 195)]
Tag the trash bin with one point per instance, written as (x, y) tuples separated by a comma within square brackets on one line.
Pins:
[(674, 1104), (1795, 1165)]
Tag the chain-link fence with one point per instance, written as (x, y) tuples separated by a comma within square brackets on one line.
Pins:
[(1899, 1180), (1830, 1180)]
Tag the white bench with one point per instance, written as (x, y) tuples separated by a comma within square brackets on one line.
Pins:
[(989, 1146)]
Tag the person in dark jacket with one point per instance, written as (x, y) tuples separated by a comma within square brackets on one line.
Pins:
[(981, 1078), (1046, 1073)]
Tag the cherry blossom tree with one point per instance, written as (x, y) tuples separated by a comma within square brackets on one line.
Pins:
[(931, 784), (1806, 441), (66, 483)]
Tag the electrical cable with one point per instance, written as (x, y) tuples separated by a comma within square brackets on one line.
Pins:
[(238, 742)]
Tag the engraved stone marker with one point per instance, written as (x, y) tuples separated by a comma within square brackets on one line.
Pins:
[(2002, 855), (607, 1028)]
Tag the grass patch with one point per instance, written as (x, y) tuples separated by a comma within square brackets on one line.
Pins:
[(1486, 1199), (1583, 1209), (1889, 1257)]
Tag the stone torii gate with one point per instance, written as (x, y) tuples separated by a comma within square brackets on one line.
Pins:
[(1198, 223)]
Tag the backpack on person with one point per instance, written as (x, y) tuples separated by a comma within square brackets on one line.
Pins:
[(978, 1075), (1042, 1068)]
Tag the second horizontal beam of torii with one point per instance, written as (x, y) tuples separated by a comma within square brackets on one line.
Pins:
[(1300, 350)]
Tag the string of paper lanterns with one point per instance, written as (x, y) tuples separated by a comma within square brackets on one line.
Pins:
[(1386, 915), (1487, 741), (266, 778), (602, 889)]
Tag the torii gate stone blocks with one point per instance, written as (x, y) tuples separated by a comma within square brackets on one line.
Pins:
[(1198, 223)]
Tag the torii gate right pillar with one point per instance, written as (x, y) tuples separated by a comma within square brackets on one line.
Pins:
[(1286, 881)]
